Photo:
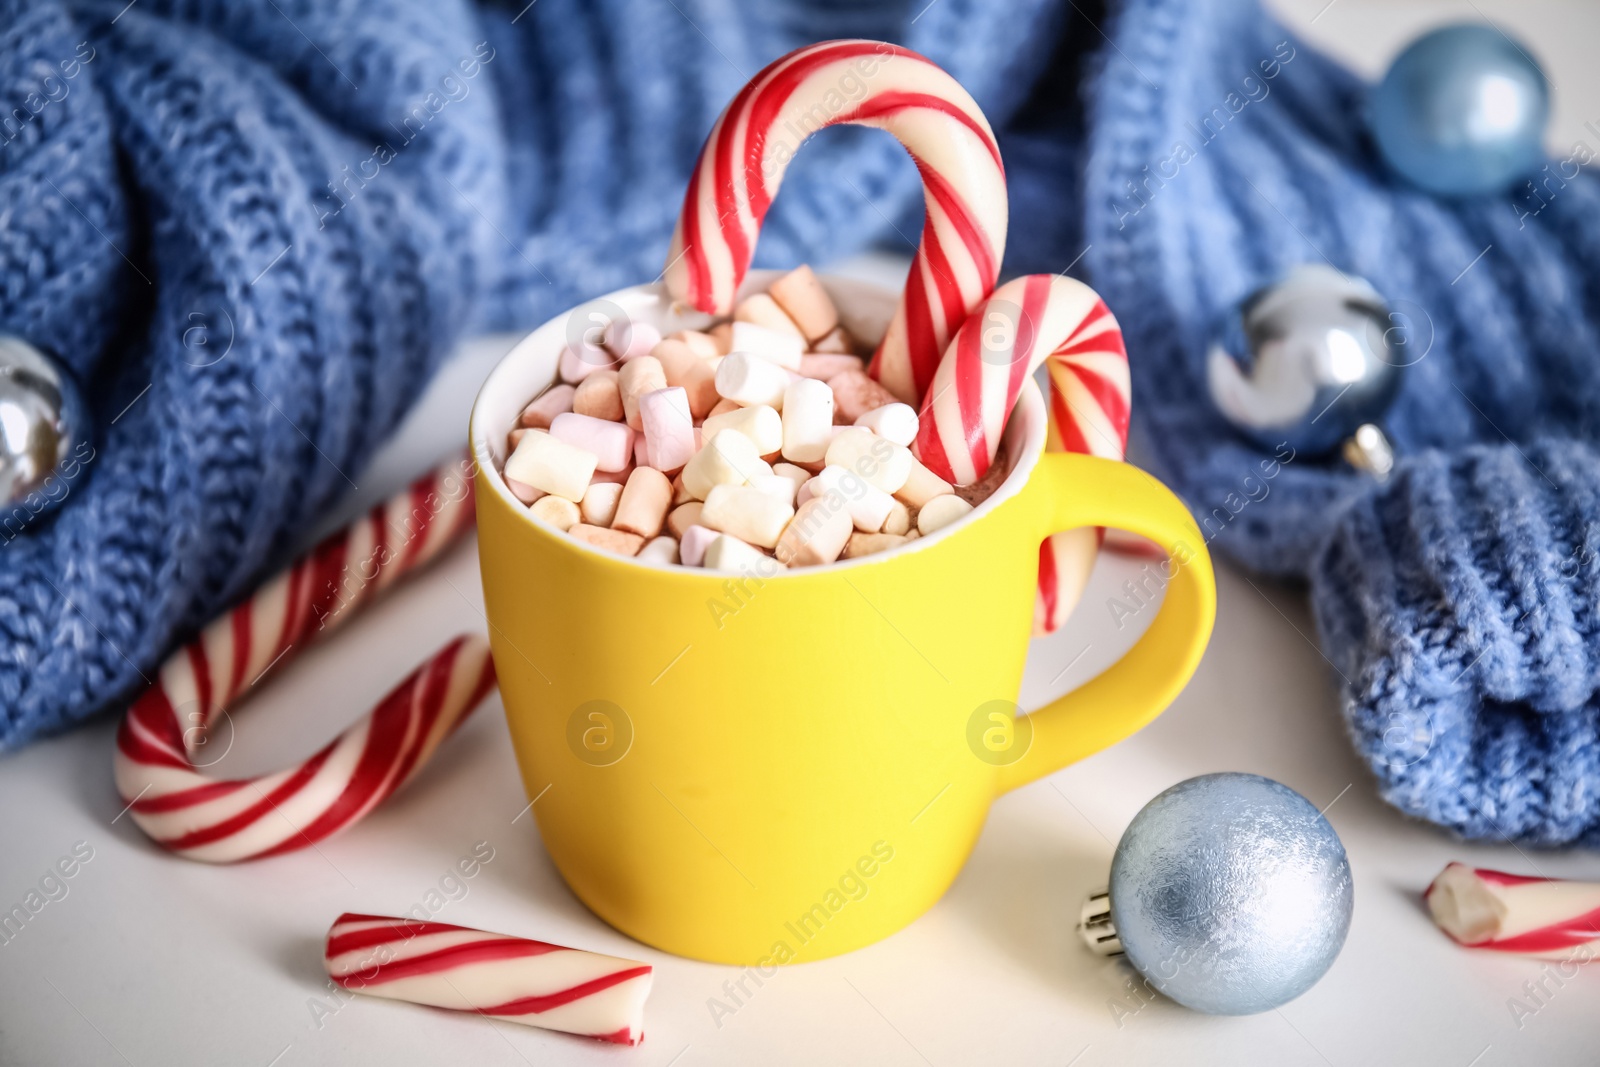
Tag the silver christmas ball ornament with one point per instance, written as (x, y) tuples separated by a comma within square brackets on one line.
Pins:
[(1229, 893), (1314, 362), (44, 434)]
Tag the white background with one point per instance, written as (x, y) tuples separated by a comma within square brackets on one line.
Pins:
[(153, 960)]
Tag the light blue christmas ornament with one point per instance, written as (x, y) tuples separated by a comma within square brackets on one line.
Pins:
[(1462, 111), (1229, 893)]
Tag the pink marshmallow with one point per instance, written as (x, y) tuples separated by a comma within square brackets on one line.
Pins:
[(669, 431), (580, 360), (692, 549), (630, 339), (610, 442)]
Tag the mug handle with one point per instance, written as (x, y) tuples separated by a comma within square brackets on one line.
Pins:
[(1082, 490)]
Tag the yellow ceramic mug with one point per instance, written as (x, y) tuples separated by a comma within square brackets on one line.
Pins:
[(753, 770)]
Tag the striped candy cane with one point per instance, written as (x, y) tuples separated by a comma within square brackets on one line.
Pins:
[(1038, 319), (503, 977), (866, 83), (160, 771), (1547, 917)]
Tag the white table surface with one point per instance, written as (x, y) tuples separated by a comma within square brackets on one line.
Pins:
[(153, 960)]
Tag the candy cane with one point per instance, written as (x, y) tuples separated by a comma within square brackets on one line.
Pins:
[(1063, 324), (181, 807), (503, 977), (1546, 917), (866, 83)]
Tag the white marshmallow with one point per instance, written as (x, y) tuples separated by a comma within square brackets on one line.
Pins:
[(747, 513), (599, 505), (880, 461), (748, 380), (776, 486), (728, 553), (940, 512), (784, 349), (868, 505), (659, 550), (762, 424), (728, 458), (547, 463), (807, 420), (895, 422)]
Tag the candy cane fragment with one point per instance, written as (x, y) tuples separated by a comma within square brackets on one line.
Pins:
[(511, 978), (1547, 917), (864, 83)]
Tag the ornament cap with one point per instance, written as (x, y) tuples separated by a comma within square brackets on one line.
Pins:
[(1095, 925)]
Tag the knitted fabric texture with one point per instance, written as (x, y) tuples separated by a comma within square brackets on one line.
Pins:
[(1458, 603), (253, 228)]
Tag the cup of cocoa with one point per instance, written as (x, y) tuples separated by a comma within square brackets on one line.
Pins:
[(759, 663)]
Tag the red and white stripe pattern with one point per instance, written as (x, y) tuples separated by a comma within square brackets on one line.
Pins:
[(1548, 917), (1037, 319), (865, 83), (162, 763), (503, 977)]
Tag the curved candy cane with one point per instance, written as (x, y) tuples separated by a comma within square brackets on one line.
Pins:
[(503, 977), (181, 807), (865, 83), (1037, 319)]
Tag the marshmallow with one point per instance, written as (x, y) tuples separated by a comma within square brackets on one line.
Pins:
[(599, 505), (748, 513), (899, 520), (611, 443), (628, 340), (728, 458), (776, 486), (824, 367), (803, 299), (669, 437), (880, 461), (680, 495), (659, 550), (693, 544), (868, 505), (722, 336), (644, 503), (598, 397), (940, 512), (728, 553), (807, 420), (816, 535), (616, 477), (865, 544), (545, 462), (763, 311), (682, 517), (784, 349), (557, 511), (837, 342), (921, 486), (896, 422), (721, 407), (581, 359), (641, 375), (624, 544), (527, 494), (855, 394), (700, 343), (748, 380), (552, 402), (688, 369), (760, 423), (798, 475)]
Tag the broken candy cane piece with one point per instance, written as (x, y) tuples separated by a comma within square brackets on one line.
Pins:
[(503, 977), (747, 152), (1547, 917)]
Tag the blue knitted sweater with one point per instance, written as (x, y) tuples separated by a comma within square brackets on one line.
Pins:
[(253, 228)]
